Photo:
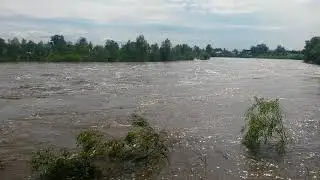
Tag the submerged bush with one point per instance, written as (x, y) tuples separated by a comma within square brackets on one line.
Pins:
[(264, 125), (58, 164), (142, 153)]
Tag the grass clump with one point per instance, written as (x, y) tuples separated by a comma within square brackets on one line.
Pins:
[(142, 153), (264, 125)]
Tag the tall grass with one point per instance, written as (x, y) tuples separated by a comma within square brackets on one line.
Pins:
[(140, 154), (264, 125)]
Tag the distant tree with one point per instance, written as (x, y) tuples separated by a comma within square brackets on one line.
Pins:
[(58, 44), (28, 50), (3, 48), (90, 46), (165, 50), (235, 52), (82, 47), (31, 47), (23, 49), (128, 51), (187, 52), (142, 48), (14, 48), (182, 52), (112, 50), (41, 51), (259, 49), (70, 48), (154, 53), (99, 53), (226, 53), (196, 51), (280, 50), (204, 55), (209, 50)]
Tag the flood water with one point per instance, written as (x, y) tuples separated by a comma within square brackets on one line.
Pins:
[(202, 101)]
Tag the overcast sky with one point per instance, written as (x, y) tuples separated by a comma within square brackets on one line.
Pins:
[(223, 23)]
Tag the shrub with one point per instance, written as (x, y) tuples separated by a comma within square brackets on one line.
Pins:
[(204, 56), (59, 164), (143, 152), (58, 57), (264, 124)]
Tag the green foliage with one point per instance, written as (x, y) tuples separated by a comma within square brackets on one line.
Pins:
[(280, 50), (204, 56), (154, 53), (264, 124), (312, 51), (263, 51), (209, 50), (58, 164), (143, 152), (58, 50), (139, 121), (56, 57), (142, 49), (89, 140), (259, 49), (82, 47), (112, 50), (166, 50), (182, 52)]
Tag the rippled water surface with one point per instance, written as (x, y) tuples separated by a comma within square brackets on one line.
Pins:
[(202, 101)]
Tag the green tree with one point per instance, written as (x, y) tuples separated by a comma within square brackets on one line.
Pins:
[(14, 47), (112, 50), (165, 50), (259, 49), (196, 51), (182, 52), (23, 48), (142, 48), (312, 50), (128, 51), (209, 50), (3, 48), (99, 53), (280, 50), (154, 53), (58, 44), (42, 51), (235, 52), (82, 47)]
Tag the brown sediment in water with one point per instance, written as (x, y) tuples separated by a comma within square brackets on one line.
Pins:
[(56, 101)]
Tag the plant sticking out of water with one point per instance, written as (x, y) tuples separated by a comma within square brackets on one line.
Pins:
[(141, 153), (264, 126), (2, 165)]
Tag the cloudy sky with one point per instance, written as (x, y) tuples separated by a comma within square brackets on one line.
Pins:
[(223, 23)]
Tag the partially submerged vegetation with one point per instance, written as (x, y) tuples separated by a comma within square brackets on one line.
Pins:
[(140, 154), (144, 151), (312, 51), (264, 125)]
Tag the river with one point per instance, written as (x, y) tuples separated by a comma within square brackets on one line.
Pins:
[(204, 101)]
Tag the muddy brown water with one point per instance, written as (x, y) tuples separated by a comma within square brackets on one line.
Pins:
[(203, 101)]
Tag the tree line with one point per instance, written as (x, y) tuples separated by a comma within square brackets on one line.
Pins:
[(57, 49)]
